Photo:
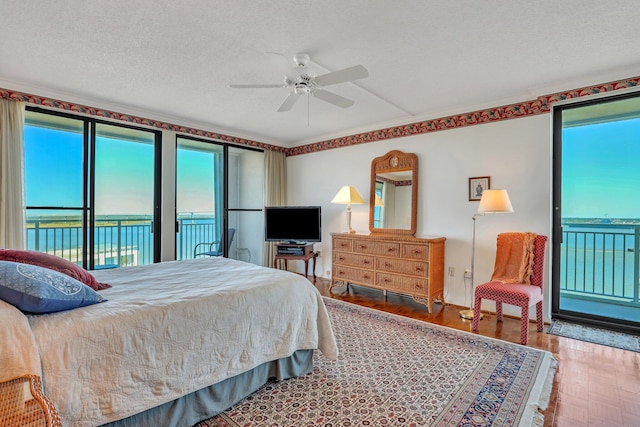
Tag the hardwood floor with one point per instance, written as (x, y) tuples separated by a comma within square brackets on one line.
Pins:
[(594, 386)]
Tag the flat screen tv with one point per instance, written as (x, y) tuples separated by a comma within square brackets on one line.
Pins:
[(293, 224)]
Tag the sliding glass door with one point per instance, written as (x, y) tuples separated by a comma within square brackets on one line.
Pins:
[(218, 199), (199, 197), (91, 190), (597, 212), (124, 196)]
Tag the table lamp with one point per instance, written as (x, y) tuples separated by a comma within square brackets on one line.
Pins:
[(348, 195)]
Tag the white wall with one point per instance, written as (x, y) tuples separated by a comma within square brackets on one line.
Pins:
[(515, 153)]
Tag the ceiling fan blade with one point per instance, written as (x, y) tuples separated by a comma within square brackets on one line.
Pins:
[(288, 102), (250, 86), (352, 73), (332, 98)]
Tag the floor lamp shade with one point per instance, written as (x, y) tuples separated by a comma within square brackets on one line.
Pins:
[(492, 201), (495, 201), (348, 195)]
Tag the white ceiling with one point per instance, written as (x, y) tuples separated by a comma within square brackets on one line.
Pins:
[(173, 60)]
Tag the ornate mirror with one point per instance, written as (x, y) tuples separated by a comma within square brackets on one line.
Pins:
[(393, 198)]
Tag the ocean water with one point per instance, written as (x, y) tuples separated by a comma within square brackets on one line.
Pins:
[(123, 241)]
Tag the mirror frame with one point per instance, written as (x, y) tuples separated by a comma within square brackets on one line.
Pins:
[(393, 161)]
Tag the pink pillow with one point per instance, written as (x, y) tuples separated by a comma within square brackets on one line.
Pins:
[(53, 262)]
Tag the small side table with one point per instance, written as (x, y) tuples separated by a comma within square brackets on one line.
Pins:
[(22, 404), (291, 251)]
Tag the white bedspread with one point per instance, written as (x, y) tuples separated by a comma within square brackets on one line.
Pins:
[(170, 329)]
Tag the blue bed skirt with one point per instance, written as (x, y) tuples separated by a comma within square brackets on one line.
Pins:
[(209, 401)]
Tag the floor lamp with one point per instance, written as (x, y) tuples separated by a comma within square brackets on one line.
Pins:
[(492, 201)]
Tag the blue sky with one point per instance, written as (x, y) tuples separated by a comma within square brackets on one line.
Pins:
[(124, 174), (601, 170)]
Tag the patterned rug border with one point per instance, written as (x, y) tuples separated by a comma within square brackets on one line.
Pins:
[(595, 335), (540, 392), (504, 384)]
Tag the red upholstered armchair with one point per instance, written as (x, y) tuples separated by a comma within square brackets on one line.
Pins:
[(520, 294)]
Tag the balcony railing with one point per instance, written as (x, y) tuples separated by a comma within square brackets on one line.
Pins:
[(118, 241), (600, 261)]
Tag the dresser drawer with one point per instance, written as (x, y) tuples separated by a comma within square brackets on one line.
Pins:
[(415, 251), (402, 266), (351, 259), (340, 244), (403, 284), (354, 275), (372, 247)]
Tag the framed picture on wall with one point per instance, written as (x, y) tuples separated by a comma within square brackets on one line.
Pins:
[(477, 185)]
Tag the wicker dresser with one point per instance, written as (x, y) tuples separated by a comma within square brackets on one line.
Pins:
[(404, 264)]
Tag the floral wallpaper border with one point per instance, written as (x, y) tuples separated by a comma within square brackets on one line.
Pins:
[(541, 105), (97, 112)]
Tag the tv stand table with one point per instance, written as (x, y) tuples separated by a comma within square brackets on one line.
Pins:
[(295, 251)]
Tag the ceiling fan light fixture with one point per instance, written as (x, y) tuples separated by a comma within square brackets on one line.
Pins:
[(308, 83)]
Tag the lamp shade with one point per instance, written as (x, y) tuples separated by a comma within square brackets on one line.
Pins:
[(378, 201), (495, 201), (348, 195)]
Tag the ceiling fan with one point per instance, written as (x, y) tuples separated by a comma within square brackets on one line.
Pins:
[(304, 81)]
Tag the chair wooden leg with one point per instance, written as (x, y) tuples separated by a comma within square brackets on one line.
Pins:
[(476, 313), (539, 320), (498, 311), (524, 325)]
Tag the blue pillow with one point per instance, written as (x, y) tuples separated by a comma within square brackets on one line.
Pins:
[(35, 289)]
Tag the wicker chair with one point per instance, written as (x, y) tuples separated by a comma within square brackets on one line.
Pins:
[(520, 294)]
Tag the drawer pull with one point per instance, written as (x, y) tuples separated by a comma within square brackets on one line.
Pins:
[(419, 269), (419, 287), (391, 250), (366, 262), (417, 252), (366, 276), (341, 258), (387, 265), (387, 280), (363, 246)]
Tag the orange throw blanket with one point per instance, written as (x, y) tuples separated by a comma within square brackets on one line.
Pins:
[(514, 258)]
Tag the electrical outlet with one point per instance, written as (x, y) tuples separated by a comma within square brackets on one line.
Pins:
[(452, 271), (467, 273)]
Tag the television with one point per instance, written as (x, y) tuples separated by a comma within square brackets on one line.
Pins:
[(295, 224)]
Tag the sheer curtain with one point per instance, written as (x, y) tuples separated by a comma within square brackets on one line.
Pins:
[(12, 213), (275, 192)]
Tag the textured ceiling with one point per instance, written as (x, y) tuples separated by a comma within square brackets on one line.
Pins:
[(174, 60)]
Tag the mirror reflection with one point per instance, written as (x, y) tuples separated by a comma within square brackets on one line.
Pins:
[(393, 200), (393, 195)]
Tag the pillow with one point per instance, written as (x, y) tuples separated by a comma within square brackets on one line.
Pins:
[(35, 289), (53, 262)]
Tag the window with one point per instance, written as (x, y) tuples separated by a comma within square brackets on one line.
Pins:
[(91, 190)]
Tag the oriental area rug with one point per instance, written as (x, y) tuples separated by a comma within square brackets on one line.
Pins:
[(595, 335), (396, 371)]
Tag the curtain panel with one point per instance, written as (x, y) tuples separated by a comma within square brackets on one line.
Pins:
[(12, 203), (275, 192)]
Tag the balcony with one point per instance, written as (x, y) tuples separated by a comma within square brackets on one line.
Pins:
[(120, 241), (600, 269)]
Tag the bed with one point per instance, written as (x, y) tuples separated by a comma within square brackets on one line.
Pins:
[(175, 342)]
